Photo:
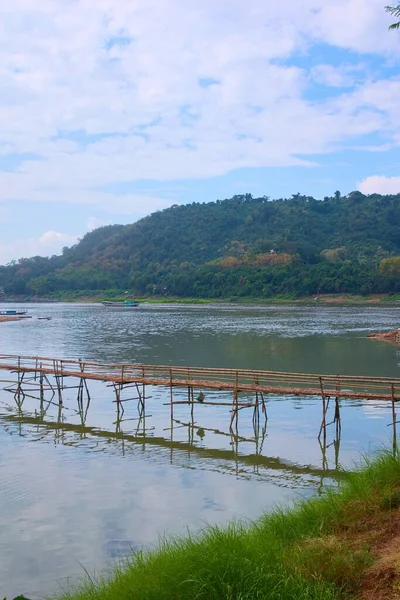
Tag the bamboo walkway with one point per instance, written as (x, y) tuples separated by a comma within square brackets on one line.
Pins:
[(240, 380), (35, 371)]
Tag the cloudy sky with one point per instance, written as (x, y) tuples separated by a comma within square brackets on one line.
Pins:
[(112, 109)]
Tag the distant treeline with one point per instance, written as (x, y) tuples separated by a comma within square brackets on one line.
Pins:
[(240, 247)]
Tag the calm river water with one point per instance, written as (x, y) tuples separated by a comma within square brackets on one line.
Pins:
[(77, 496)]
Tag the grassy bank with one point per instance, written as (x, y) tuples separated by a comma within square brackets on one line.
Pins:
[(87, 296), (343, 545)]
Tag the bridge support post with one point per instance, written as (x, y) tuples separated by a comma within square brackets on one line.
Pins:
[(256, 414), (325, 405), (82, 386), (171, 397), (58, 382), (191, 402), (337, 419), (140, 405), (19, 394), (264, 406), (235, 405), (41, 385)]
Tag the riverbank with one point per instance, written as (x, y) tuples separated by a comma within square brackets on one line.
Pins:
[(6, 318), (345, 544), (393, 337), (86, 297)]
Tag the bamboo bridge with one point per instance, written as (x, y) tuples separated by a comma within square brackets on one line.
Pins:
[(46, 379)]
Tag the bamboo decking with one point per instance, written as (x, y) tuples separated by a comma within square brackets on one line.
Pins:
[(33, 372), (239, 380)]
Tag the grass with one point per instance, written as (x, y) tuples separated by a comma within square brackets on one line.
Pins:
[(319, 550), (118, 295)]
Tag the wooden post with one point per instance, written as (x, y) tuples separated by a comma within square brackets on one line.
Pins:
[(80, 396), (236, 401), (118, 402), (82, 367), (191, 402), (62, 375), (232, 414), (236, 410), (56, 377), (323, 422), (256, 414), (337, 419), (171, 398), (17, 394), (41, 389)]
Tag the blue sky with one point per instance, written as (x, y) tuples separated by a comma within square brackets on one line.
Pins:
[(177, 101)]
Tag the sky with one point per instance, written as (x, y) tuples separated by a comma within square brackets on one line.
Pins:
[(111, 110)]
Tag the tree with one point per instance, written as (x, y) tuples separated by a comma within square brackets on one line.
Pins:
[(390, 266), (395, 12)]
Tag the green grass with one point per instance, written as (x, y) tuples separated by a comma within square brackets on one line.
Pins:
[(291, 554), (119, 295)]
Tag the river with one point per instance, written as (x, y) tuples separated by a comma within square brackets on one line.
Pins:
[(76, 497)]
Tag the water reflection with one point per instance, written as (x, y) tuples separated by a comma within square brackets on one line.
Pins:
[(85, 484), (60, 431)]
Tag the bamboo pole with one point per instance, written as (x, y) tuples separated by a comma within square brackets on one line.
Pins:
[(323, 422), (135, 368), (153, 374), (171, 396), (337, 418), (219, 385)]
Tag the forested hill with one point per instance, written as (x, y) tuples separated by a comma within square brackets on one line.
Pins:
[(239, 247)]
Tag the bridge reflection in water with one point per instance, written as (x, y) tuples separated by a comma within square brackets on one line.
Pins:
[(59, 399), (244, 456)]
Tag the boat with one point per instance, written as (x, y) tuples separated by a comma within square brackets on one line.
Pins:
[(12, 313), (126, 304)]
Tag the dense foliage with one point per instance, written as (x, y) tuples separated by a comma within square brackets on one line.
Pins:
[(239, 247)]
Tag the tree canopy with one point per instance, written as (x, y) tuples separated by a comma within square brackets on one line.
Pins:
[(238, 247)]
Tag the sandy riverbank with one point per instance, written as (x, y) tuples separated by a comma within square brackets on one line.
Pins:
[(5, 318), (387, 336)]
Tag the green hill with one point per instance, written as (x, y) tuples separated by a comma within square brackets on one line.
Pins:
[(242, 246)]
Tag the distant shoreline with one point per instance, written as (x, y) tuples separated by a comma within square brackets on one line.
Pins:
[(384, 299)]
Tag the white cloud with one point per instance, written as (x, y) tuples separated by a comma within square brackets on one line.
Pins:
[(332, 76), (121, 99), (354, 24), (379, 184), (95, 222), (47, 244)]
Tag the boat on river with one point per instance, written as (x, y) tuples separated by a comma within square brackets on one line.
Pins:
[(12, 313), (126, 304)]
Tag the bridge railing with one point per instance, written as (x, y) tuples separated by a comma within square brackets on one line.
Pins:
[(212, 378)]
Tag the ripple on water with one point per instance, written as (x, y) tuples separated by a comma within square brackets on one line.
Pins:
[(86, 495)]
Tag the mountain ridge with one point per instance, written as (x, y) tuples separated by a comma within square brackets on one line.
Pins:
[(242, 246)]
